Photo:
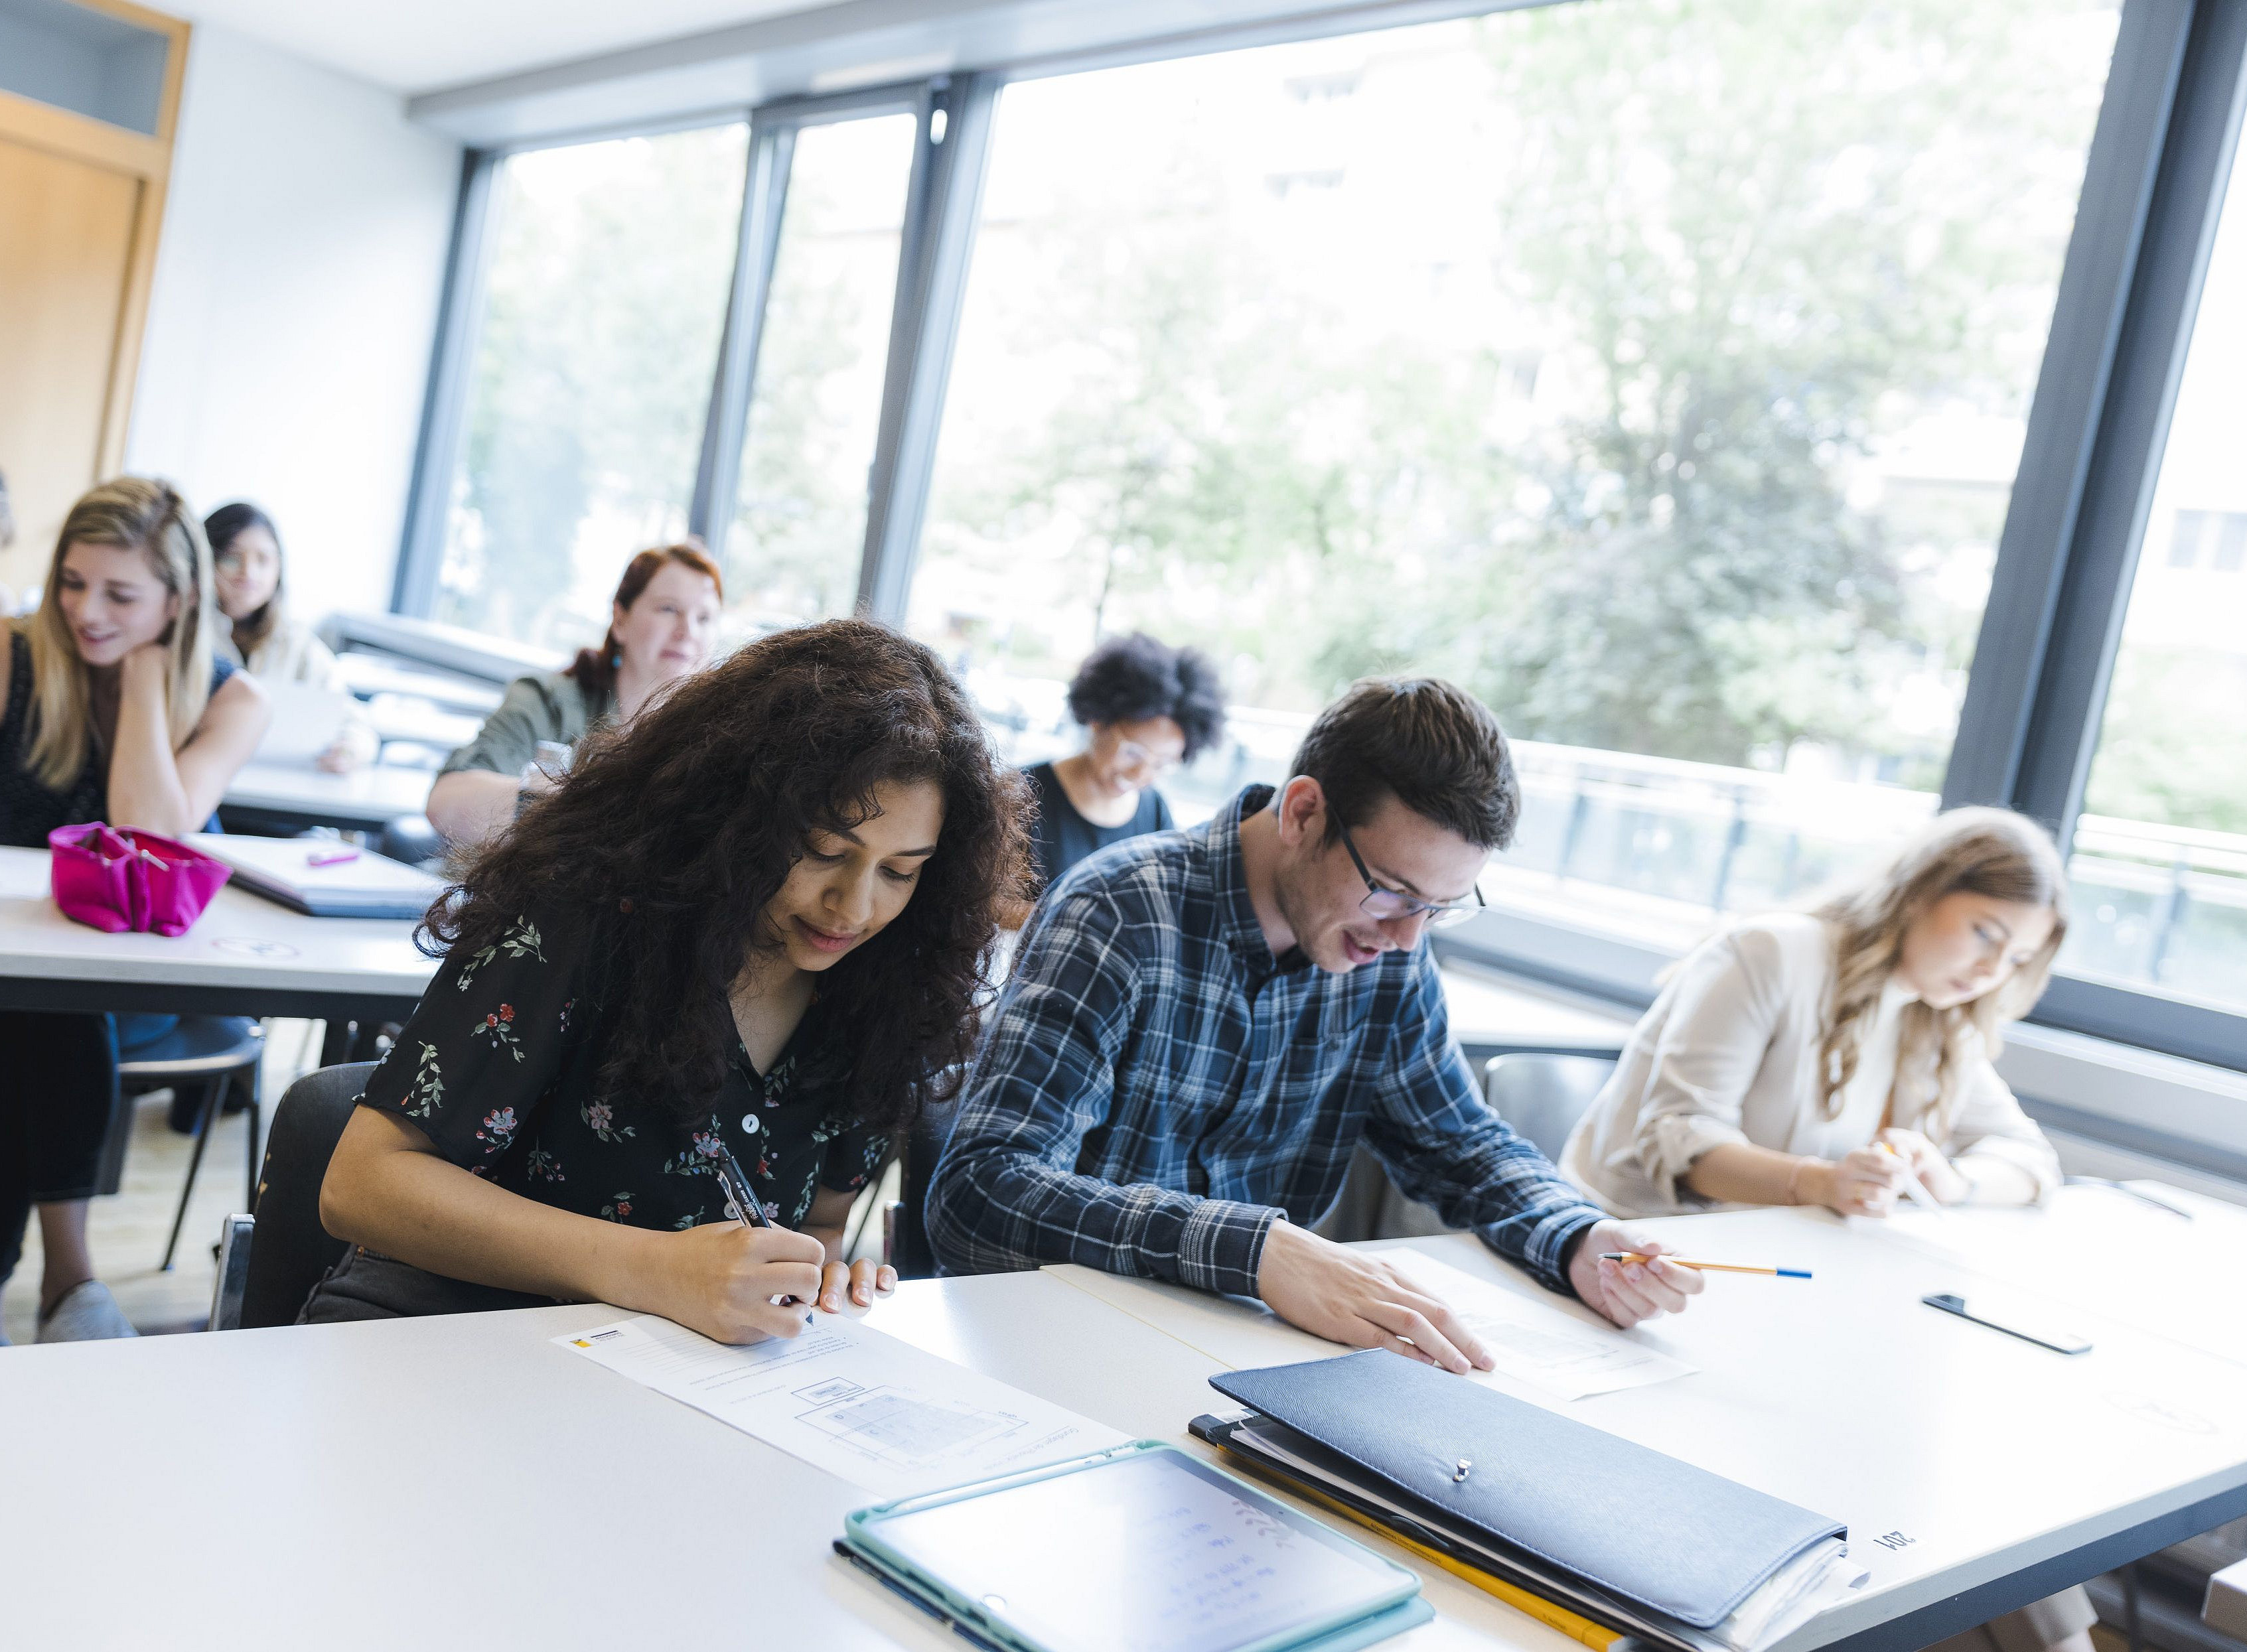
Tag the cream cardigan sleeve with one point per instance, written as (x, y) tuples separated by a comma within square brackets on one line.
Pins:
[(1726, 1003), (1990, 1125)]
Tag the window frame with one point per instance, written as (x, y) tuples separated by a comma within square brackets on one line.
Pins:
[(2160, 158)]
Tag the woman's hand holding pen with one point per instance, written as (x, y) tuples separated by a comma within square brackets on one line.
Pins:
[(1936, 1174), (1865, 1182), (726, 1278)]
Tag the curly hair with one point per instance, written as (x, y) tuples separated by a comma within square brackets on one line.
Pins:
[(669, 838), (1127, 679)]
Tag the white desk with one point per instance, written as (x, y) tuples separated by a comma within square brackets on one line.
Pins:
[(2007, 1471), (244, 956), (2134, 1264), (305, 795), (462, 1483)]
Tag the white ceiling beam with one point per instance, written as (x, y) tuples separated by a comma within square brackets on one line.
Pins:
[(861, 43)]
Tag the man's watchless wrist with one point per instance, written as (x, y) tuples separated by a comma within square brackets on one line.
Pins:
[(1574, 1242)]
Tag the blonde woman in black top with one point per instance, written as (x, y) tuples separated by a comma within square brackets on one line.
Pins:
[(112, 708)]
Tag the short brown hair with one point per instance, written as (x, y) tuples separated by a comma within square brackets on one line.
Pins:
[(1431, 745)]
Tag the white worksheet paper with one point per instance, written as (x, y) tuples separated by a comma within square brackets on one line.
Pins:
[(1537, 1344), (862, 1405)]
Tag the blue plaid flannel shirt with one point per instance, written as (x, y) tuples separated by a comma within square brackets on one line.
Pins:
[(1155, 1089)]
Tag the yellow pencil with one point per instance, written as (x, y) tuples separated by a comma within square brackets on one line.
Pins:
[(1598, 1637), (1706, 1267)]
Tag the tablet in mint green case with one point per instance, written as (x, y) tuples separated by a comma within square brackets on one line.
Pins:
[(1143, 1548)]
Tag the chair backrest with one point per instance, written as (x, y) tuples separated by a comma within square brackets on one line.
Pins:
[(232, 1277), (1542, 1096), (910, 1252), (290, 1250)]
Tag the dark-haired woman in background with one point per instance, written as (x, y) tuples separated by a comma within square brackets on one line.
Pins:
[(262, 637), (662, 625), (757, 924), (1146, 708)]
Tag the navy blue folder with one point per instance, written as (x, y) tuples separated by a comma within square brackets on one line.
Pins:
[(1645, 1527)]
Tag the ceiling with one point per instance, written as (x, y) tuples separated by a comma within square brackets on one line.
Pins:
[(418, 45)]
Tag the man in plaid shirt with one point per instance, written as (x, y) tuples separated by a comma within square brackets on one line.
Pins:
[(1202, 1025)]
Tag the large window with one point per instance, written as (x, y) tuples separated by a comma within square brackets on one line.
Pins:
[(799, 513), (2161, 850), (1678, 419), (605, 295), (1731, 391)]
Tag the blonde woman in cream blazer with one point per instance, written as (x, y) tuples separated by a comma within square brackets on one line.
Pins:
[(1804, 1058), (1729, 1054)]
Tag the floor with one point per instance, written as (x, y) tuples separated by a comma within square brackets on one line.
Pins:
[(128, 1230)]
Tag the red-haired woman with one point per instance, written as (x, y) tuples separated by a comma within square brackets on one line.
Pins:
[(662, 625)]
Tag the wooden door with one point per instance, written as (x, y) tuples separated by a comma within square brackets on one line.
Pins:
[(66, 267), (83, 168)]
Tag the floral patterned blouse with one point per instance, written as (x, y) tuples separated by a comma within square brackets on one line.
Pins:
[(497, 1067)]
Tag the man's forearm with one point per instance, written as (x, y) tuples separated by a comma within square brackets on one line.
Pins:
[(1000, 1210)]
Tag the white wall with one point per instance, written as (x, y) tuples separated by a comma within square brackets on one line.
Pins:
[(294, 307)]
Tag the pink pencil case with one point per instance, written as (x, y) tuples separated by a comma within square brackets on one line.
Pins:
[(118, 879)]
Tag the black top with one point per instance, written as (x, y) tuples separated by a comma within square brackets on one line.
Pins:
[(1060, 837), (498, 1064), (28, 808)]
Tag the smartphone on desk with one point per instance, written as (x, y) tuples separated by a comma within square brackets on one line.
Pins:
[(2015, 1318)]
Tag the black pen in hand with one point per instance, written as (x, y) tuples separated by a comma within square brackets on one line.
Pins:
[(744, 1205)]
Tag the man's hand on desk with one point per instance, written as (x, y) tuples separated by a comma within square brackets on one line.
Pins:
[(1348, 1296), (1628, 1292)]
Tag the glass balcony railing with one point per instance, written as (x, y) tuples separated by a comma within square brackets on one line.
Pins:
[(1656, 849)]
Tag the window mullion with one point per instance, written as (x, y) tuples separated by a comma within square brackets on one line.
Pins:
[(445, 403), (764, 197), (940, 217), (2014, 648), (2064, 717)]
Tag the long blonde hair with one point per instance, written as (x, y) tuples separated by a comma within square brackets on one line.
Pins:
[(133, 514), (1982, 851)]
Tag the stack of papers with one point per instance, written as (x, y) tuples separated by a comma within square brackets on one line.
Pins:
[(1819, 1577), (1591, 1533)]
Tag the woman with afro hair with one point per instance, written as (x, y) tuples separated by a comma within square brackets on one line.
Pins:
[(1146, 708)]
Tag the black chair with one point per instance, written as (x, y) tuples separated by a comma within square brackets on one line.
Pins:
[(411, 839), (287, 1249), (206, 1057), (233, 1272), (905, 1223)]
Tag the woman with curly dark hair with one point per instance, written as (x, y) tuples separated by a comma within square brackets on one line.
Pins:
[(750, 929), (1146, 708)]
